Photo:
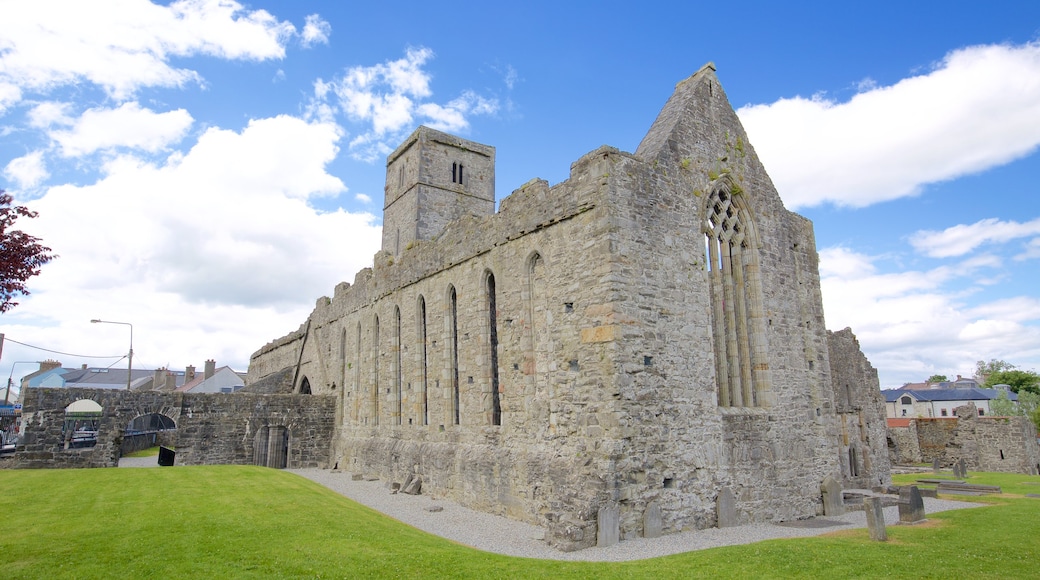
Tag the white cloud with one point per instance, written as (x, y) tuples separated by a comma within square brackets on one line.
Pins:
[(978, 108), (49, 113), (315, 31), (916, 323), (389, 98), (27, 171), (122, 46), (9, 94), (208, 254), (962, 238), (126, 126), (363, 198)]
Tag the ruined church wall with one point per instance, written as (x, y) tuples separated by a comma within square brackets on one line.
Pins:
[(774, 456), (861, 411), (211, 428), (543, 463)]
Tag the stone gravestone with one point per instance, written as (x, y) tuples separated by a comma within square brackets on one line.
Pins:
[(911, 505), (935, 466), (963, 468), (726, 509), (608, 526), (652, 520), (875, 519), (833, 503)]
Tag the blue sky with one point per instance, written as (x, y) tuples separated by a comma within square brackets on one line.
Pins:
[(208, 169)]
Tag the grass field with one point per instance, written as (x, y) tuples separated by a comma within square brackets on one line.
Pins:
[(252, 522)]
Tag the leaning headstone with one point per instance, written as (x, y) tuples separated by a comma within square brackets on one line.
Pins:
[(726, 508), (957, 470), (414, 486), (935, 466), (911, 505), (875, 518), (963, 468), (833, 503), (608, 526), (652, 520)]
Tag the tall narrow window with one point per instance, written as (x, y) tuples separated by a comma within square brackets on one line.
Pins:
[(496, 399), (740, 363), (397, 366), (358, 398), (460, 174), (453, 318), (375, 371), (454, 172), (423, 360)]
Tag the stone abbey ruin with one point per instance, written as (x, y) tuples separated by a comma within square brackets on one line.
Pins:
[(636, 350)]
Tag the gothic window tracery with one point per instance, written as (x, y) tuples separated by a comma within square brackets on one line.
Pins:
[(741, 368)]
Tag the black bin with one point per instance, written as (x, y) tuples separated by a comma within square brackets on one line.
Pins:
[(166, 456)]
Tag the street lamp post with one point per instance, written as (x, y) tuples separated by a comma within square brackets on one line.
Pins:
[(130, 356)]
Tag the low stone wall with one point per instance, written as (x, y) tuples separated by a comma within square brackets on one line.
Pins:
[(211, 428), (933, 435)]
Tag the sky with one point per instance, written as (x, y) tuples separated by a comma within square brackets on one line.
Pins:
[(207, 169)]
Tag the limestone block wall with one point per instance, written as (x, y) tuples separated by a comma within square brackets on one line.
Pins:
[(1005, 444), (903, 444), (861, 411), (932, 437), (211, 428), (605, 357)]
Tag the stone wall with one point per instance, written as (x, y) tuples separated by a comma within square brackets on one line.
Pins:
[(211, 428), (1003, 444), (861, 410), (903, 445), (587, 378)]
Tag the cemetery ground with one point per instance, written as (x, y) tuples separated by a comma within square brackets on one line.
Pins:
[(245, 521)]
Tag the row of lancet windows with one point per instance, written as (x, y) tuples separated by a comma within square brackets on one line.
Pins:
[(424, 372), (736, 302)]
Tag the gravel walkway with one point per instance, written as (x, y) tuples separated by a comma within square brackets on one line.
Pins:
[(505, 536)]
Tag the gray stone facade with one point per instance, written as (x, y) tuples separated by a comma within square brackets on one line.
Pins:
[(860, 407), (637, 338)]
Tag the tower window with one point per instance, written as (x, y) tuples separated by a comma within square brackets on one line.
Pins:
[(456, 173)]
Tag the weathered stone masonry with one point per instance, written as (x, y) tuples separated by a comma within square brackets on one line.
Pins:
[(641, 337), (211, 428)]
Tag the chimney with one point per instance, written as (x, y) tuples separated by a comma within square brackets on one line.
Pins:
[(83, 366), (157, 380), (171, 381), (189, 373), (49, 364), (211, 367)]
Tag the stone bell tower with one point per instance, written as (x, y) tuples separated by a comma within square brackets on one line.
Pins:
[(432, 179)]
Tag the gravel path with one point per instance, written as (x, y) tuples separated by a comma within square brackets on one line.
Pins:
[(505, 536)]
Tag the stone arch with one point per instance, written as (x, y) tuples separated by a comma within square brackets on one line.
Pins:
[(305, 386), (82, 422), (737, 312)]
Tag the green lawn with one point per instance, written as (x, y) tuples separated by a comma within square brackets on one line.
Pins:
[(241, 521)]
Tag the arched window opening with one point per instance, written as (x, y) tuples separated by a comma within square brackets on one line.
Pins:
[(375, 371), (399, 395), (82, 421), (423, 360), (453, 355), (496, 399), (736, 299), (305, 386)]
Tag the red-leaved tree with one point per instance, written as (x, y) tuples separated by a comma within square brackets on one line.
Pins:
[(21, 255)]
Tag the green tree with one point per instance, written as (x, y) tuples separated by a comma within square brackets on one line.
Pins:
[(1028, 405), (21, 255), (1017, 379), (984, 369), (937, 379)]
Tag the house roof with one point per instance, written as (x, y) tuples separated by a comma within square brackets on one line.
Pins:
[(973, 394)]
